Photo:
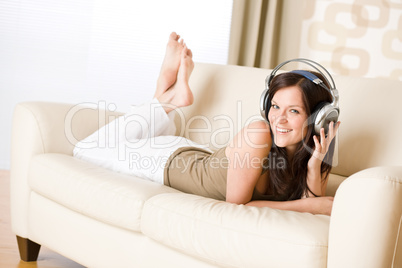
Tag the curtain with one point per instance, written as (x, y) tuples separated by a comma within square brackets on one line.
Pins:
[(254, 33)]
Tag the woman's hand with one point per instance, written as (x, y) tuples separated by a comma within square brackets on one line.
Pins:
[(321, 205), (316, 180), (322, 145)]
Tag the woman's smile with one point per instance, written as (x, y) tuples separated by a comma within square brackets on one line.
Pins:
[(283, 130)]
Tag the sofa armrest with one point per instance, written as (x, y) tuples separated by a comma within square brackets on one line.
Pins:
[(366, 220), (56, 127), (44, 127)]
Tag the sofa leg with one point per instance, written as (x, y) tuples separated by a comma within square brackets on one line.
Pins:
[(29, 250)]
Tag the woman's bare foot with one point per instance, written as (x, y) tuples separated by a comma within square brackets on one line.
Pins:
[(180, 95), (170, 65)]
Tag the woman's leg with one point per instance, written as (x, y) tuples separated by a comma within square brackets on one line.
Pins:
[(180, 95), (155, 118), (124, 144), (149, 119), (146, 157), (170, 65)]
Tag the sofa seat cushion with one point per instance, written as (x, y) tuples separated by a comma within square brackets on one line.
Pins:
[(110, 197), (236, 235)]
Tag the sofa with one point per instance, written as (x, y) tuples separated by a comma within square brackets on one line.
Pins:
[(100, 218)]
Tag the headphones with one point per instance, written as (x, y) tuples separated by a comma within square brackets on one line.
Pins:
[(324, 112)]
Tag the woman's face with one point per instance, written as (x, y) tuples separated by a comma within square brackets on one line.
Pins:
[(287, 117)]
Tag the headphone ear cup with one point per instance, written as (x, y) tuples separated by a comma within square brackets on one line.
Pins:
[(265, 104), (323, 114)]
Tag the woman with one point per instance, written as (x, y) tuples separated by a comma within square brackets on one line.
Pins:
[(142, 143)]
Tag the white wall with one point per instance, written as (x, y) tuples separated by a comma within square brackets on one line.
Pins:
[(97, 50)]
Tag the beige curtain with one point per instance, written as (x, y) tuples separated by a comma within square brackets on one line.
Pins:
[(254, 36)]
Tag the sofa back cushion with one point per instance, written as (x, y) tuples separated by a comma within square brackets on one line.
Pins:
[(226, 98), (371, 128)]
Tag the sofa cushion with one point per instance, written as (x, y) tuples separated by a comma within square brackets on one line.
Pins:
[(236, 235), (110, 197)]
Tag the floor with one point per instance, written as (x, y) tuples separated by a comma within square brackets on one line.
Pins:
[(9, 255)]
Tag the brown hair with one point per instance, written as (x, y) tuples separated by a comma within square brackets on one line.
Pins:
[(290, 182)]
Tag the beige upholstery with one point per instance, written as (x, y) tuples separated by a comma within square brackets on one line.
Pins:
[(104, 219), (237, 235)]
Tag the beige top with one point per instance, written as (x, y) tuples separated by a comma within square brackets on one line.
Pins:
[(197, 171)]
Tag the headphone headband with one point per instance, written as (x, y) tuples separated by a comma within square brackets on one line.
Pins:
[(315, 66), (310, 76)]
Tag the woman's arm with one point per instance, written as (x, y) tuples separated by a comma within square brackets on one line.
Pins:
[(317, 205), (316, 181), (246, 154)]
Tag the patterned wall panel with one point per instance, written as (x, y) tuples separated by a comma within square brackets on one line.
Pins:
[(354, 37)]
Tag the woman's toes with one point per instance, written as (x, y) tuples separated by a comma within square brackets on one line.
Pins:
[(174, 36)]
